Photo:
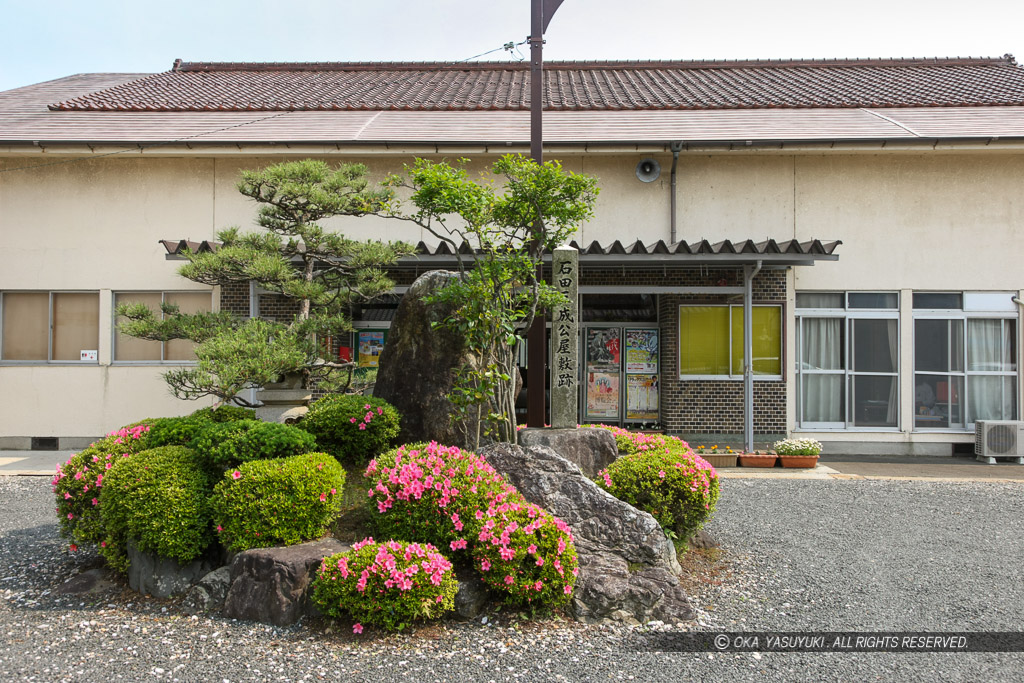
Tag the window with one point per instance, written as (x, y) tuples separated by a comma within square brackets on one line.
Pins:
[(42, 327), (965, 350), (711, 342), (848, 372), (129, 349)]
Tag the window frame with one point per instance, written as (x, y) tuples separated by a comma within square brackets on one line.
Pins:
[(964, 316), (729, 322), (849, 315), (49, 360), (114, 334)]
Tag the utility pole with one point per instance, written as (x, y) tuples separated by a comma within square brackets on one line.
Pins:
[(541, 12)]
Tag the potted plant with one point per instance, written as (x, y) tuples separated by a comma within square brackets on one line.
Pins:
[(717, 457), (798, 452), (758, 459)]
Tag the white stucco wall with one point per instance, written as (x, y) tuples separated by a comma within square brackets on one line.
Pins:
[(908, 220)]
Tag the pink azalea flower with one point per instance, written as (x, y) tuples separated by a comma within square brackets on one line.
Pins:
[(366, 407), (73, 547), (333, 491), (485, 565), (219, 528), (358, 628), (362, 426), (236, 475), (380, 411), (95, 501), (323, 497), (567, 589), (509, 579), (532, 549), (540, 561)]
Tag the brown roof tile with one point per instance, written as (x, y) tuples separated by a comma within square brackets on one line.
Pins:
[(205, 86)]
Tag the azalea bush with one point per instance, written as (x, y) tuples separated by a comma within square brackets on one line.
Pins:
[(277, 502), (797, 447), (433, 493), (389, 584), (639, 442), (224, 445), (459, 502), (78, 482), (352, 427), (157, 499), (526, 553), (677, 487)]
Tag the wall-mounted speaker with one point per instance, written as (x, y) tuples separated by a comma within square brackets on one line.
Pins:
[(648, 170)]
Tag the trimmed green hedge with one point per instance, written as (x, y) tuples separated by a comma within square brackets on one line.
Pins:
[(353, 428), (159, 499), (226, 445), (277, 502)]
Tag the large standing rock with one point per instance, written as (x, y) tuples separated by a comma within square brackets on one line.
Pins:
[(417, 367), (163, 577), (269, 584), (590, 448), (628, 568)]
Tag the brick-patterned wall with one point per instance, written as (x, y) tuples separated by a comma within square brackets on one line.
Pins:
[(234, 298), (716, 406)]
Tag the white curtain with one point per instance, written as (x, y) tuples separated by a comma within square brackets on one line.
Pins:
[(893, 331), (989, 349), (822, 350)]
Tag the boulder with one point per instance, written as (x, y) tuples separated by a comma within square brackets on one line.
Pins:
[(628, 567), (417, 367), (90, 582), (591, 448), (473, 593), (163, 577), (209, 593), (270, 584)]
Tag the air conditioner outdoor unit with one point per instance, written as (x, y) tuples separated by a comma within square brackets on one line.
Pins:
[(999, 439)]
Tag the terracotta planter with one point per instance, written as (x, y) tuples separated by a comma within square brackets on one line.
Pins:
[(720, 459), (750, 460), (805, 461)]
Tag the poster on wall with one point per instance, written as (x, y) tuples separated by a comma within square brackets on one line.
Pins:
[(371, 343), (603, 349), (602, 395), (641, 397), (642, 351)]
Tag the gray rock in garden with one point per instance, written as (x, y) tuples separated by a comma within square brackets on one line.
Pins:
[(591, 448), (209, 593), (417, 368), (163, 577), (88, 582), (702, 540), (473, 594), (628, 568), (270, 585)]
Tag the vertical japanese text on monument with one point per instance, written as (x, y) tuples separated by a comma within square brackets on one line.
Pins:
[(565, 330)]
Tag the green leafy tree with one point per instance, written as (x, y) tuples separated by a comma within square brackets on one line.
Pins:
[(323, 272), (499, 294)]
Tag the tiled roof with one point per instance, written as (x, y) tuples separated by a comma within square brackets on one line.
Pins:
[(702, 250), (587, 86)]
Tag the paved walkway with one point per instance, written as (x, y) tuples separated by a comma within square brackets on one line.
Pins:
[(36, 463)]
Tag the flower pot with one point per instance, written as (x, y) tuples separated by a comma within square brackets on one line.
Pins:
[(752, 460), (805, 461), (720, 459)]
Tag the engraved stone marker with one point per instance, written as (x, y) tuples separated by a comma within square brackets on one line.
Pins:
[(564, 345)]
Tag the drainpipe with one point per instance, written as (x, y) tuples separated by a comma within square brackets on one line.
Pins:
[(748, 356), (676, 147)]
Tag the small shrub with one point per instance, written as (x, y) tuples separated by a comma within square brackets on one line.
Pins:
[(433, 493), (390, 584), (78, 482), (224, 413), (638, 442), (224, 445), (158, 499), (528, 554), (174, 431), (277, 502), (677, 487), (352, 428)]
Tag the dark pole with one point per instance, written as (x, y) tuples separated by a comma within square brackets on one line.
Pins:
[(541, 12)]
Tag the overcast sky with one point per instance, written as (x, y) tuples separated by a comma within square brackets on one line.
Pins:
[(47, 39)]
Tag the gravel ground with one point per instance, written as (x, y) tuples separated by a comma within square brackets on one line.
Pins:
[(798, 555)]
